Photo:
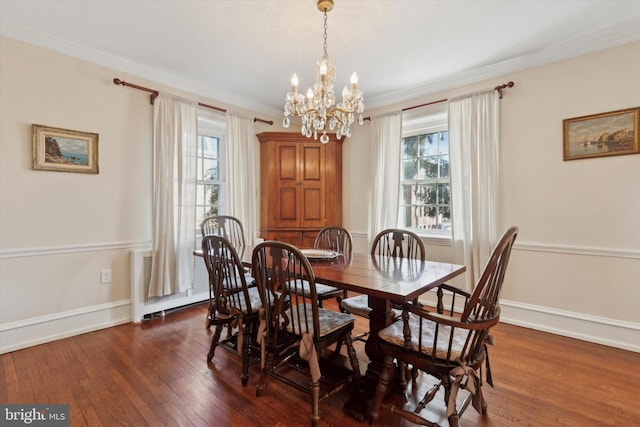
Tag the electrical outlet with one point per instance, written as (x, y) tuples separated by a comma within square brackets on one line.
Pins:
[(105, 276)]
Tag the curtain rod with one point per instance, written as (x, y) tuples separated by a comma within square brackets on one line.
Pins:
[(499, 88), (154, 94)]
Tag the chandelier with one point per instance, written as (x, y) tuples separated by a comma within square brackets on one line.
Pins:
[(317, 111)]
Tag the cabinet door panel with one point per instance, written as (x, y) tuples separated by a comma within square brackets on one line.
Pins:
[(288, 207), (312, 207), (312, 204), (309, 238), (288, 161), (288, 183), (312, 163), (293, 238)]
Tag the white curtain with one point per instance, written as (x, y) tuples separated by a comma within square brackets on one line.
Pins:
[(474, 150), (242, 173), (386, 141), (174, 175)]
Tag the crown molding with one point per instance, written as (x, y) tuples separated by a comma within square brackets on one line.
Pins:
[(597, 41), (615, 34), (46, 41)]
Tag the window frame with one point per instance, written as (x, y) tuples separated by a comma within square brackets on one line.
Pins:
[(211, 126), (425, 121)]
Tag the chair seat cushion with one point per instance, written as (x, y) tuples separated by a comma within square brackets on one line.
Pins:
[(393, 334), (237, 284), (359, 305), (329, 320), (321, 290), (254, 301)]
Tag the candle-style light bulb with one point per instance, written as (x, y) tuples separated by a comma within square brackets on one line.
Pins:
[(323, 68), (310, 97), (323, 72), (354, 80), (294, 83)]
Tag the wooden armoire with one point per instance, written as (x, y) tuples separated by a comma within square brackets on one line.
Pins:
[(300, 186)]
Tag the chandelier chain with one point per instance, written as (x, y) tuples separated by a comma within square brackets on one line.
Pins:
[(325, 35)]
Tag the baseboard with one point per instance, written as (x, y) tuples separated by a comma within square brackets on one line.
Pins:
[(600, 330), (39, 330)]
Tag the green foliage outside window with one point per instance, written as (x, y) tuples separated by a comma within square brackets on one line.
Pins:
[(425, 189)]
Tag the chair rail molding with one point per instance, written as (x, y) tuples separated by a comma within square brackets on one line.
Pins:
[(578, 250), (67, 249)]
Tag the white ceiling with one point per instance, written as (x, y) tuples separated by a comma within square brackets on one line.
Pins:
[(243, 52)]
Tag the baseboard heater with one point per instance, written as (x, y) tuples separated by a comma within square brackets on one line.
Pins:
[(144, 307)]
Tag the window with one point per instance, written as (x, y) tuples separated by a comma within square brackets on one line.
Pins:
[(425, 190), (210, 173)]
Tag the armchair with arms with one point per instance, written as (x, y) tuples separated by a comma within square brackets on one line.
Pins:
[(449, 346)]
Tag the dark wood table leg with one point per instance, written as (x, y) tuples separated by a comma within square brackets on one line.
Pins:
[(359, 403)]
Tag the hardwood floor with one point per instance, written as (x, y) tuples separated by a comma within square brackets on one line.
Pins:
[(155, 374)]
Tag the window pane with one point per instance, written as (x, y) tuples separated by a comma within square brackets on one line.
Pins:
[(430, 145), (409, 169), (443, 146), (407, 194), (443, 194), (210, 170), (404, 216), (426, 194), (200, 195), (200, 215), (210, 146), (444, 167), (425, 216), (411, 146), (413, 216), (211, 194), (431, 167), (445, 218)]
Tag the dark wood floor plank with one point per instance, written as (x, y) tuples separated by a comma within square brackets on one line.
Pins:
[(137, 400), (8, 376), (155, 373)]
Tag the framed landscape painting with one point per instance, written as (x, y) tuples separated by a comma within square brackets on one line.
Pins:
[(64, 150), (606, 134)]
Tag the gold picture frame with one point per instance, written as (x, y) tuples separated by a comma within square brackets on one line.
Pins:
[(64, 150), (606, 134)]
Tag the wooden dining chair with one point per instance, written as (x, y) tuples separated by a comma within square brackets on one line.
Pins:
[(294, 330), (394, 243), (231, 229), (232, 302), (335, 239), (448, 345), (226, 226)]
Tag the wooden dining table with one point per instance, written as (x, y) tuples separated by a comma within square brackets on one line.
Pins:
[(385, 280)]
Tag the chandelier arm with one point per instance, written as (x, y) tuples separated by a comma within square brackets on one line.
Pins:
[(342, 110), (305, 112)]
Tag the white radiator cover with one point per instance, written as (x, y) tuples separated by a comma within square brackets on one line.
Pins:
[(142, 305)]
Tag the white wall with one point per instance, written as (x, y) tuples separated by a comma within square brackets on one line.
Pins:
[(58, 230), (575, 269)]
